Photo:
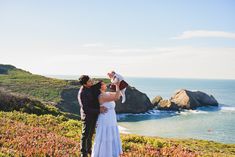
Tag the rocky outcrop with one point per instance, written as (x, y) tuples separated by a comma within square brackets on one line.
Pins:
[(185, 99), (193, 99), (156, 100), (167, 105), (136, 102)]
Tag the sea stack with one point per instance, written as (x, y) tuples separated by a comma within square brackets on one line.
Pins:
[(185, 99)]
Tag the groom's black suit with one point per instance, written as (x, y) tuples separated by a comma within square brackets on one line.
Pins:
[(89, 114)]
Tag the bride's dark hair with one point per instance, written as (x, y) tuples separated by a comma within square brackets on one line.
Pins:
[(96, 90)]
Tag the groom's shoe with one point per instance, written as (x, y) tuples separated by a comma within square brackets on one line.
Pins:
[(84, 155)]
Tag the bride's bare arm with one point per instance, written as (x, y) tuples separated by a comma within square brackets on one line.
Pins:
[(113, 96)]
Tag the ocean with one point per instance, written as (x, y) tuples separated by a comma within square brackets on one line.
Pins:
[(208, 123)]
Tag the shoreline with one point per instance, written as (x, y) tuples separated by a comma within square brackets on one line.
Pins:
[(133, 124)]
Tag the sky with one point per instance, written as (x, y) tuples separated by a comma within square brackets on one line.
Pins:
[(137, 38)]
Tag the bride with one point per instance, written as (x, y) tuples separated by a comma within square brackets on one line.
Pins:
[(107, 140)]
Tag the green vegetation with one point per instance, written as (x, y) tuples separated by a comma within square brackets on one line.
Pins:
[(16, 102), (31, 135), (40, 87), (23, 134)]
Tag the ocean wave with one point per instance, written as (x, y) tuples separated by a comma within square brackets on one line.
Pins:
[(150, 112), (188, 112), (123, 130), (227, 109), (162, 112)]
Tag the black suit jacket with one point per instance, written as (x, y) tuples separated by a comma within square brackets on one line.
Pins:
[(90, 107)]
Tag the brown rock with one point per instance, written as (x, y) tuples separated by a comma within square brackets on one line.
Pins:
[(186, 99), (167, 105), (156, 100)]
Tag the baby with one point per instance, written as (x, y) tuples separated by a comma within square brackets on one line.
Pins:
[(114, 77)]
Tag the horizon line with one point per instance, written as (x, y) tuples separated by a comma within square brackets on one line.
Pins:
[(148, 77)]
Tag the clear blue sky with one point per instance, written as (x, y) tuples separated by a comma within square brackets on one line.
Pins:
[(155, 38)]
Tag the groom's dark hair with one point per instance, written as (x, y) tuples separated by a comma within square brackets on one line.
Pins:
[(83, 79)]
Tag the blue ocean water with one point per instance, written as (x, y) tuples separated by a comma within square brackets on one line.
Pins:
[(210, 123), (222, 90)]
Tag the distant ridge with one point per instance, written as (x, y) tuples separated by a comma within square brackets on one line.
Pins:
[(5, 68)]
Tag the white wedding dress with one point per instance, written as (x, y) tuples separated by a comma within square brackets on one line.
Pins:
[(107, 139)]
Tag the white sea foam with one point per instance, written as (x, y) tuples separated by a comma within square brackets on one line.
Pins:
[(188, 112), (123, 130), (227, 109), (150, 112), (163, 113)]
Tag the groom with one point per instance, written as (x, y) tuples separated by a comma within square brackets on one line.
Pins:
[(90, 109)]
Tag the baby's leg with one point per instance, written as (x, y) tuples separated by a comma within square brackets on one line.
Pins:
[(123, 95)]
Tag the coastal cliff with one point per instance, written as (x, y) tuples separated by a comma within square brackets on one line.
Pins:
[(62, 94)]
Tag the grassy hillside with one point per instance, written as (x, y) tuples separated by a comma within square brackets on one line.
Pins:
[(61, 93), (23, 134), (40, 87), (17, 102)]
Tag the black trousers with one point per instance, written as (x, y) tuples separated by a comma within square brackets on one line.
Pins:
[(88, 129)]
